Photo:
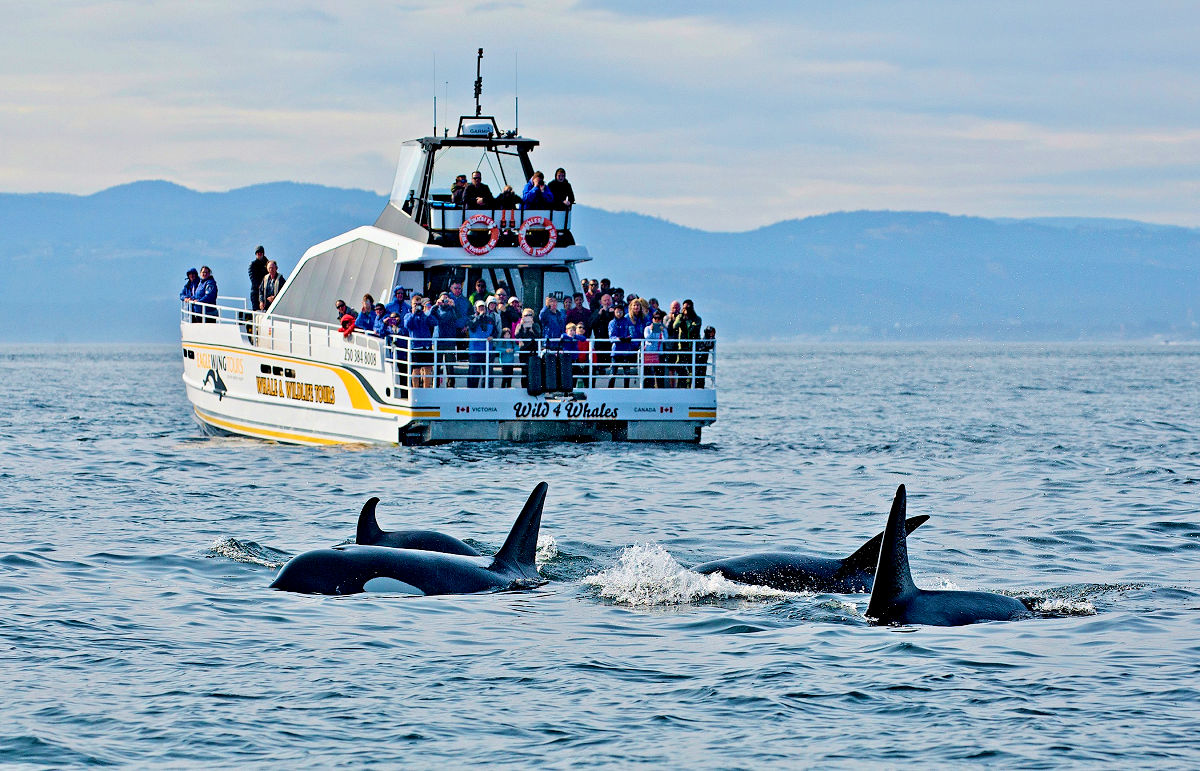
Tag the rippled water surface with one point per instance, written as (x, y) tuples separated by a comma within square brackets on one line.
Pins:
[(138, 627)]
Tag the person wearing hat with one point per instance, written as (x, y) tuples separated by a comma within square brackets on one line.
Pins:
[(188, 293), (493, 309), (257, 270), (397, 304), (510, 314), (482, 330), (347, 327), (458, 192)]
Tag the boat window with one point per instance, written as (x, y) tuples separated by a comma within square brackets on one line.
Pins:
[(405, 185), (558, 282), (498, 168)]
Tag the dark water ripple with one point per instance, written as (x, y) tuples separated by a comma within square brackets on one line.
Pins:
[(136, 628)]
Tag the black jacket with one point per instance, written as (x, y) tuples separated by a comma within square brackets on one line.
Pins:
[(562, 191), (473, 191)]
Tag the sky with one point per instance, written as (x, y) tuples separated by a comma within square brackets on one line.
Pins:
[(720, 116)]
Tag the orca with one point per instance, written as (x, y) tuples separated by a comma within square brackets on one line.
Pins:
[(794, 572), (219, 387), (895, 599), (356, 568), (369, 534)]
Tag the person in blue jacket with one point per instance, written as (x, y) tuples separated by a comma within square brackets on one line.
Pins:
[(554, 323), (188, 293), (536, 195), (419, 327), (482, 330), (620, 331), (206, 293), (366, 315), (379, 323), (397, 305), (445, 321)]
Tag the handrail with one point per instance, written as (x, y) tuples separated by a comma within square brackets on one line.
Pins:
[(465, 362), (477, 363)]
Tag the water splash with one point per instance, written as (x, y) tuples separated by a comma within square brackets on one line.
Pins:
[(1063, 606), (248, 552), (647, 575), (547, 549)]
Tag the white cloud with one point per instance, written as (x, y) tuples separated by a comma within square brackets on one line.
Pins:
[(714, 119)]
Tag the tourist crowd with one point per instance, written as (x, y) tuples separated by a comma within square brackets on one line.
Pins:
[(605, 329)]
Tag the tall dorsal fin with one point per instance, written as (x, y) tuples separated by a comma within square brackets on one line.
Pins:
[(867, 556), (368, 528), (520, 548), (893, 579)]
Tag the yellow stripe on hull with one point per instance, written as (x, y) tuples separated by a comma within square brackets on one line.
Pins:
[(262, 433)]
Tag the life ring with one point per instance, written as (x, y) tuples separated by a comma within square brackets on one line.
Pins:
[(551, 233), (465, 230)]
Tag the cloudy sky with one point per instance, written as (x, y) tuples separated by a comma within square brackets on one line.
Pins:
[(709, 114)]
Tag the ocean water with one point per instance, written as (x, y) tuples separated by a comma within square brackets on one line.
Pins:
[(137, 627)]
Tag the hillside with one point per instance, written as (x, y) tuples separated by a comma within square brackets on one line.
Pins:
[(119, 256)]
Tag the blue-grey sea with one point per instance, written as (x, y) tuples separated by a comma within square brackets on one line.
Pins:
[(136, 626)]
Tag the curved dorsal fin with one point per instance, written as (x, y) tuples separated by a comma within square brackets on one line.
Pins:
[(893, 579), (520, 547), (368, 529), (867, 556)]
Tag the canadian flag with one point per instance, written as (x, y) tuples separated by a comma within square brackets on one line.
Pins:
[(665, 409), (461, 408)]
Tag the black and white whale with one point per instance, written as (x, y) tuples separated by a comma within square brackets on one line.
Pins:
[(354, 569), (370, 534), (895, 599), (793, 572)]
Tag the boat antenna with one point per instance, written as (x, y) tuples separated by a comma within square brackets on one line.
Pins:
[(435, 95), (516, 97), (478, 82)]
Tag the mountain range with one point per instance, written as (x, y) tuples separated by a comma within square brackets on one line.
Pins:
[(108, 266)]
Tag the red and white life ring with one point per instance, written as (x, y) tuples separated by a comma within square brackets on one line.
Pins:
[(466, 228), (551, 233)]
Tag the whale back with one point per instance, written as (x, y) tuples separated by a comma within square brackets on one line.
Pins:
[(368, 527), (893, 579), (518, 553), (866, 558)]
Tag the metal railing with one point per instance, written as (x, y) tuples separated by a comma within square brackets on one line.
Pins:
[(488, 363), (442, 362), (450, 216)]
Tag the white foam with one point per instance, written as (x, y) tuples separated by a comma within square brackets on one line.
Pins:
[(249, 552), (1061, 606), (547, 549), (646, 574)]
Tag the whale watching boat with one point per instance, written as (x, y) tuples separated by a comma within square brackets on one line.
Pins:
[(289, 373)]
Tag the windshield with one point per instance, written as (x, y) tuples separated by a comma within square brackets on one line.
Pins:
[(405, 185), (499, 167)]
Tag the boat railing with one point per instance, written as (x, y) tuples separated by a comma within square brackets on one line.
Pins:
[(450, 216), (285, 334), (467, 363), (485, 364)]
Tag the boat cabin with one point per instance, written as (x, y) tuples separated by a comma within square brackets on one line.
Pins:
[(424, 241)]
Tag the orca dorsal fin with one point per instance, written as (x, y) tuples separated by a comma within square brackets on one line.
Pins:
[(893, 579), (520, 548), (867, 556), (368, 528)]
